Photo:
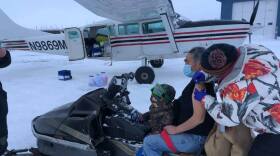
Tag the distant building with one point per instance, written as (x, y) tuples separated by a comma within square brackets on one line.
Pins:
[(267, 20)]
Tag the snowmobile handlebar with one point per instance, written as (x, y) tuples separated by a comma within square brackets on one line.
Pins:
[(126, 76), (118, 86)]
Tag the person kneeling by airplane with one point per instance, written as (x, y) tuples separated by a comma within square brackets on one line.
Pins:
[(248, 92), (192, 123)]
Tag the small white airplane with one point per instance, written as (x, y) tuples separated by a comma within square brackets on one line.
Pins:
[(146, 30)]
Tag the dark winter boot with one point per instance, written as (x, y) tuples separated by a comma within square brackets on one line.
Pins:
[(3, 145), (3, 121)]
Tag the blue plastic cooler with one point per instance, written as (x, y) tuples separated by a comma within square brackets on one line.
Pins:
[(64, 75)]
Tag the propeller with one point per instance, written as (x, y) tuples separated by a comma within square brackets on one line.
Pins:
[(254, 14)]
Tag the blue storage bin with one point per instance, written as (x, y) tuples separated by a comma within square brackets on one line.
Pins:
[(64, 75)]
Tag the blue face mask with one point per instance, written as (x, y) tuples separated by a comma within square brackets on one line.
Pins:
[(188, 71)]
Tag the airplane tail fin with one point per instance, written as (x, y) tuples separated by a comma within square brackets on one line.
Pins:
[(9, 30)]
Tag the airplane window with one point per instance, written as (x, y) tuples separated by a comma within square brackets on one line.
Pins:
[(103, 31), (122, 30), (112, 31), (132, 29), (129, 29), (153, 27)]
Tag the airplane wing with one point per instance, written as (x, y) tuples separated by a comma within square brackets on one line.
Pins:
[(10, 30), (128, 10)]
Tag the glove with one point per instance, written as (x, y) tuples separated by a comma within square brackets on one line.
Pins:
[(113, 90), (199, 77), (199, 95), (136, 117)]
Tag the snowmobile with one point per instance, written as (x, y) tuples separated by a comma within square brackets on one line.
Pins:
[(100, 123)]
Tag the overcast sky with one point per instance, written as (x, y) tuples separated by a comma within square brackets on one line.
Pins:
[(65, 13)]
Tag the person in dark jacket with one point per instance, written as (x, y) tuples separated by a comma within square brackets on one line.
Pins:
[(191, 124), (160, 112), (5, 60)]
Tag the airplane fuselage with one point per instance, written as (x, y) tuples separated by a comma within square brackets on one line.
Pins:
[(144, 43)]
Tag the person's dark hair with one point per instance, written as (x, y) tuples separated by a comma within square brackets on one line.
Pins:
[(197, 53), (218, 58)]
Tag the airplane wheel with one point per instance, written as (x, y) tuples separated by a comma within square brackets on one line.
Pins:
[(145, 75), (157, 63)]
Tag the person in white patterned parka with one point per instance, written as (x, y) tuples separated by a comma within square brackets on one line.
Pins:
[(248, 92)]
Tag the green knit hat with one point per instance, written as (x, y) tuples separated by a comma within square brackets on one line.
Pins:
[(164, 91)]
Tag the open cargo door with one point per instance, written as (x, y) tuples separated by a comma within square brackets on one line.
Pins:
[(75, 43)]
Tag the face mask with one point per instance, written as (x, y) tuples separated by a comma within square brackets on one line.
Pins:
[(188, 71)]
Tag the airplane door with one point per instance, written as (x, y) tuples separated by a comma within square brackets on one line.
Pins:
[(75, 43), (271, 18)]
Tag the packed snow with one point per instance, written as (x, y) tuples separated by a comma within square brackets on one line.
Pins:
[(33, 86)]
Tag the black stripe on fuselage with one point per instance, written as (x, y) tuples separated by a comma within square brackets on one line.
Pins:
[(140, 40), (18, 41), (211, 35), (11, 47), (179, 37)]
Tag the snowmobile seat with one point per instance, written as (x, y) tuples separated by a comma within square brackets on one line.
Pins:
[(118, 127)]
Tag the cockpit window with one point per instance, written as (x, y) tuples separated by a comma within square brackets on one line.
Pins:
[(122, 30), (103, 31), (112, 30), (153, 27), (129, 29)]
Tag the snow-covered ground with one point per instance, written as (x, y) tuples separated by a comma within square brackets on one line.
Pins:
[(33, 88)]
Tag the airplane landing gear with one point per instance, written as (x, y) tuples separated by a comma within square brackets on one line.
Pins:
[(157, 63), (145, 75)]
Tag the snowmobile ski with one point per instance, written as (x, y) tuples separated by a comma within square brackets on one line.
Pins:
[(23, 152)]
